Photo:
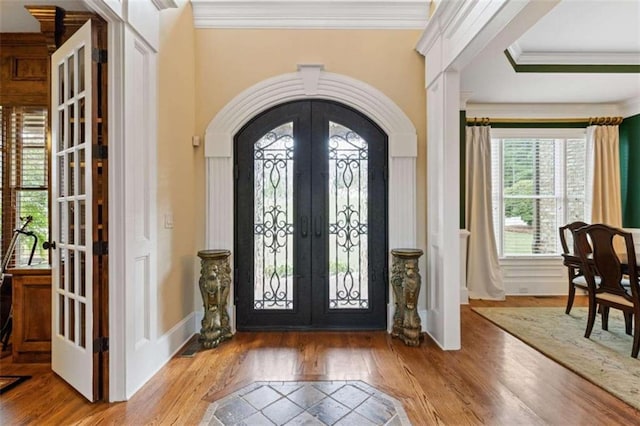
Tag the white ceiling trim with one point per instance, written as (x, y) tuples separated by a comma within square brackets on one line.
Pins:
[(329, 14), (542, 110), (630, 107), (164, 4), (522, 57)]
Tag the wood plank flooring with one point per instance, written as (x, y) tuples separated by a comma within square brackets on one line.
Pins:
[(495, 379)]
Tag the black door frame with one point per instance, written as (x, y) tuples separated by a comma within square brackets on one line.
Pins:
[(311, 274)]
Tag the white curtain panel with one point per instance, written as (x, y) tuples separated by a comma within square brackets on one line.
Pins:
[(606, 202), (484, 276)]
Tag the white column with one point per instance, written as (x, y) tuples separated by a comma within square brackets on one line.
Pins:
[(443, 189), (219, 219)]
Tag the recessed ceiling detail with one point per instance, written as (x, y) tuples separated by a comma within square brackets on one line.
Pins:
[(573, 62), (572, 58), (326, 14), (581, 37)]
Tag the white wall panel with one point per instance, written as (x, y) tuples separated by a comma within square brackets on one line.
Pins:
[(142, 322), (534, 277), (143, 17), (140, 194)]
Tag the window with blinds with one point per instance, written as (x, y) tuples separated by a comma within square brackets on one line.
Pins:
[(25, 183), (538, 184)]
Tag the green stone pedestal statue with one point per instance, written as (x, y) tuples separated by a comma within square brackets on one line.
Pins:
[(405, 281), (215, 283)]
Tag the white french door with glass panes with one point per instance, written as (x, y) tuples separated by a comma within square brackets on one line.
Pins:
[(71, 182)]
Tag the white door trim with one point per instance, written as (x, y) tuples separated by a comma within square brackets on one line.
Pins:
[(138, 19), (310, 82)]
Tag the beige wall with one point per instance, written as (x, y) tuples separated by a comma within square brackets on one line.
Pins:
[(230, 61), (180, 171), (224, 63)]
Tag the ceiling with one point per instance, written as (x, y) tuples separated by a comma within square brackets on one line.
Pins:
[(14, 18), (573, 32)]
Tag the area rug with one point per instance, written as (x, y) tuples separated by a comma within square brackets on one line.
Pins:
[(604, 359), (9, 382)]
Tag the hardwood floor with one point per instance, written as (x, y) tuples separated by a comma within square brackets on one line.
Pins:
[(495, 379)]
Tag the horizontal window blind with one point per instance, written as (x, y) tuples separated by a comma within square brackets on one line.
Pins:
[(25, 180), (538, 184)]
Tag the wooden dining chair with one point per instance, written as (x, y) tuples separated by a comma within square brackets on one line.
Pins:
[(614, 291), (572, 261)]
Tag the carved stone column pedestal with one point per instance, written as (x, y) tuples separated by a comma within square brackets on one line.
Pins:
[(215, 282), (405, 280)]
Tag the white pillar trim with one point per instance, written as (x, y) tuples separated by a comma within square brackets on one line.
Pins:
[(401, 133)]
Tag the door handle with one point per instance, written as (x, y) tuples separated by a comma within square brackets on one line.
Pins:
[(49, 245), (304, 226), (318, 226)]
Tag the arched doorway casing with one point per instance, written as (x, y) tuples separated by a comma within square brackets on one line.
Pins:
[(310, 82)]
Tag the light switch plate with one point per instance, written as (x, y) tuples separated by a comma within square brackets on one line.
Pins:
[(168, 220)]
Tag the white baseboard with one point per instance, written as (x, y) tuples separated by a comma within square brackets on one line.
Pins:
[(422, 313), (162, 350), (199, 315), (464, 296)]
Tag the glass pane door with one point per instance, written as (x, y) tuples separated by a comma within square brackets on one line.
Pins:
[(310, 183), (72, 343)]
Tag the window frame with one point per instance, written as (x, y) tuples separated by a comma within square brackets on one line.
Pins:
[(12, 169), (560, 184)]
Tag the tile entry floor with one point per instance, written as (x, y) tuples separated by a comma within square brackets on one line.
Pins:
[(352, 403)]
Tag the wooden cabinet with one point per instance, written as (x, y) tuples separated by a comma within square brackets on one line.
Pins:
[(24, 69), (31, 338)]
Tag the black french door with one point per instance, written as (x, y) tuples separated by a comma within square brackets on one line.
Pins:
[(311, 219)]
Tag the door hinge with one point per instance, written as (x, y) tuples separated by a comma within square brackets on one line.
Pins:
[(100, 248), (99, 55), (101, 344), (100, 152)]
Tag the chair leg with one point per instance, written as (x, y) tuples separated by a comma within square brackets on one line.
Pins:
[(636, 337), (605, 318), (592, 316), (628, 323), (570, 297)]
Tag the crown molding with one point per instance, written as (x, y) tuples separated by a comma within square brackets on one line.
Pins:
[(522, 57), (630, 107), (572, 68), (439, 21), (164, 4), (541, 110), (299, 14), (464, 98)]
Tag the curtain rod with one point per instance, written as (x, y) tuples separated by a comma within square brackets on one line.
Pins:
[(485, 121)]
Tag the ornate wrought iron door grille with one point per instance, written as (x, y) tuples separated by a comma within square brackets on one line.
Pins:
[(273, 224), (310, 237), (348, 212)]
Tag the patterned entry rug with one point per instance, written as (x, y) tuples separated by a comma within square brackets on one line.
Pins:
[(341, 403), (9, 382), (604, 359)]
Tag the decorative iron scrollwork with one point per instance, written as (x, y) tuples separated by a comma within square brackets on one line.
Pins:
[(348, 172), (273, 226)]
